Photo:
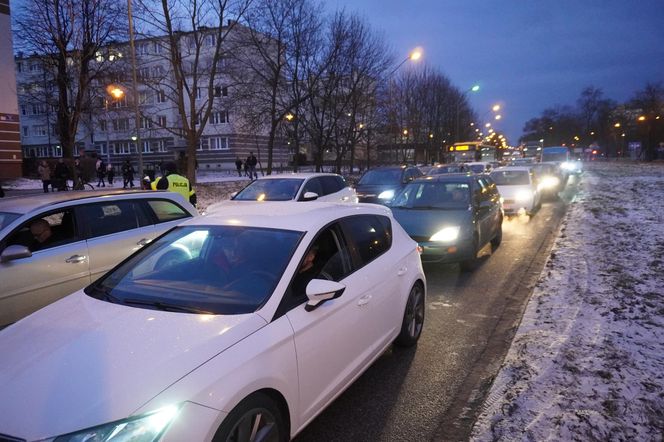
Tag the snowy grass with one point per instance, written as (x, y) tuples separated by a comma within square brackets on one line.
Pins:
[(587, 362)]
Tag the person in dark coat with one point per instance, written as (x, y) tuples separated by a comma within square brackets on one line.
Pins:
[(61, 174), (238, 166), (127, 174), (101, 172), (251, 163), (110, 174)]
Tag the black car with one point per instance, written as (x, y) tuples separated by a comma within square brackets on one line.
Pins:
[(381, 184), (451, 216)]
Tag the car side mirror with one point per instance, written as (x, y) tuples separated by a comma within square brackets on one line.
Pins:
[(321, 290), (309, 196), (15, 252)]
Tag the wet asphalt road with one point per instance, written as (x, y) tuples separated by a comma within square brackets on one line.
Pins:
[(434, 391)]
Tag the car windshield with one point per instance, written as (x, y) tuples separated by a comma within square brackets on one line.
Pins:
[(477, 168), (446, 169), (202, 269), (279, 189), (433, 195), (6, 218), (511, 177), (554, 156), (391, 176)]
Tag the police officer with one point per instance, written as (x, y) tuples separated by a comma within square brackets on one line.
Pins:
[(174, 182)]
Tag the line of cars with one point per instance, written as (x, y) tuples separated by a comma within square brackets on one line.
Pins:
[(245, 322)]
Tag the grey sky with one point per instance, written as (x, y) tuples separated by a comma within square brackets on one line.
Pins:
[(528, 55)]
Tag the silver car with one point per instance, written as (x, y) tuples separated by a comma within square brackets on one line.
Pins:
[(54, 244)]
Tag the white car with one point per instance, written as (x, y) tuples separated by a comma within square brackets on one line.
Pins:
[(518, 189), (328, 187), (270, 314), (91, 232)]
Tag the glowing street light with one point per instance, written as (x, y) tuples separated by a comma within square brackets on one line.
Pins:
[(290, 117), (498, 117), (496, 107), (616, 125), (642, 118)]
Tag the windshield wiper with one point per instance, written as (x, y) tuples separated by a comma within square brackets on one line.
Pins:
[(165, 306)]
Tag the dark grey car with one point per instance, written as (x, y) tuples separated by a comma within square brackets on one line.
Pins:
[(381, 184), (451, 216)]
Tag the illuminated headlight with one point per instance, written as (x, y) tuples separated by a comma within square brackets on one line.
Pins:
[(446, 234), (386, 195), (523, 196), (568, 165), (549, 182), (145, 428)]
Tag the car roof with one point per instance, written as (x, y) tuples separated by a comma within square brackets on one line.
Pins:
[(391, 168), (512, 168), (298, 175), (26, 204), (289, 215), (446, 177)]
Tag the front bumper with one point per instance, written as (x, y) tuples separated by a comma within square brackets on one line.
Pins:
[(439, 252)]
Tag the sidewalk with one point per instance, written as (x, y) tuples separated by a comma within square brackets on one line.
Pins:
[(587, 362)]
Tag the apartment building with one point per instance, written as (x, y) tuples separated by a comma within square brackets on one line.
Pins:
[(108, 126), (10, 148)]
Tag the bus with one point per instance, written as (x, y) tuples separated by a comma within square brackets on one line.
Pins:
[(471, 151)]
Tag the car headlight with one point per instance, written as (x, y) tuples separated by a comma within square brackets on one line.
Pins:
[(549, 182), (386, 195), (523, 196), (568, 165), (446, 234), (144, 428)]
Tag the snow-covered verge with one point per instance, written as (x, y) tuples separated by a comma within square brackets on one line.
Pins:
[(587, 362)]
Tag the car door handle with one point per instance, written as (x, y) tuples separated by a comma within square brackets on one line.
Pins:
[(143, 242), (75, 259), (364, 300), (402, 271)]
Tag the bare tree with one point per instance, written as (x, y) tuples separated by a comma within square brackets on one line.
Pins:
[(72, 38), (195, 42)]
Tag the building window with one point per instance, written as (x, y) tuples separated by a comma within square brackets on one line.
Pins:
[(219, 117), (146, 147), (23, 110), (157, 47), (40, 131), (199, 93), (102, 125), (200, 144), (57, 151), (26, 131), (157, 71), (161, 96), (143, 97), (211, 40), (146, 123), (123, 148), (218, 143), (144, 73), (161, 120), (121, 124), (158, 146)]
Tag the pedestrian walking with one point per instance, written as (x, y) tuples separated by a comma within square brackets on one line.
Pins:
[(100, 166), (127, 174), (251, 163), (61, 174), (110, 174), (238, 166), (44, 172)]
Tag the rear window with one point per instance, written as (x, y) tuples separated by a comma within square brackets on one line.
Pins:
[(166, 211), (279, 189), (370, 234), (381, 177), (511, 177)]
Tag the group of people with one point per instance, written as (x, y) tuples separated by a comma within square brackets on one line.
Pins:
[(57, 178), (248, 165)]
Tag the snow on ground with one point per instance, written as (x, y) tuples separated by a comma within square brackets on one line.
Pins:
[(587, 362)]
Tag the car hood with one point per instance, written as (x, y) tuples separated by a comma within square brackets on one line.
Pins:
[(424, 223), (82, 362)]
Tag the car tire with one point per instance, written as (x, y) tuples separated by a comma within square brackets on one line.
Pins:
[(256, 418), (471, 264), (413, 318), (498, 237)]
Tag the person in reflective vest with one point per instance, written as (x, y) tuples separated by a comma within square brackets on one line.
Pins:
[(174, 182)]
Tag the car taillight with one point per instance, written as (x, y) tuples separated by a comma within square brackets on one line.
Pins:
[(419, 249)]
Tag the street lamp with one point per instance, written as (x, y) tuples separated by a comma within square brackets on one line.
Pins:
[(414, 55), (474, 88), (117, 93)]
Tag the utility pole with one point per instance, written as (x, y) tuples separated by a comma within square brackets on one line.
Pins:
[(134, 82)]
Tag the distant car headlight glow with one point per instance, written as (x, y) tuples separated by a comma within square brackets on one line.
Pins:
[(523, 196), (386, 195), (446, 234), (569, 165), (145, 428), (549, 182)]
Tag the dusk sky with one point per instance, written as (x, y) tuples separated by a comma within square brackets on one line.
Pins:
[(528, 55)]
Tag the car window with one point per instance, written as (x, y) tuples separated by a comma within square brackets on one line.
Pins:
[(277, 189), (313, 185), (7, 218), (510, 177), (433, 195), (202, 269), (369, 235), (377, 176), (112, 217), (165, 211), (46, 231), (330, 184)]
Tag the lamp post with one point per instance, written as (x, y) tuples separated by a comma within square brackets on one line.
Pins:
[(475, 88), (116, 93)]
